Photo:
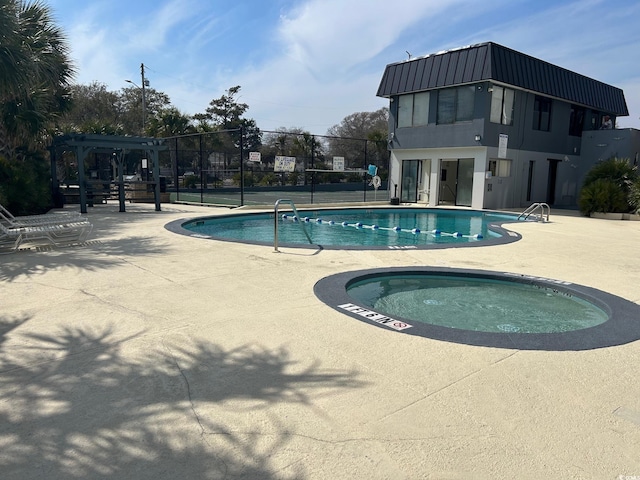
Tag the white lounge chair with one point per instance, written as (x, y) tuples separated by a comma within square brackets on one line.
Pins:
[(57, 218), (11, 238)]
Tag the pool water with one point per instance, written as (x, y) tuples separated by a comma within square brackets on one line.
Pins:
[(383, 227), (477, 304)]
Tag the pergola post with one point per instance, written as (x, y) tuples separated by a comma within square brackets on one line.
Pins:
[(156, 176), (81, 154)]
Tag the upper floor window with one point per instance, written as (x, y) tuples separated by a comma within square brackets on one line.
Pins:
[(456, 104), (576, 121), (502, 105), (413, 110), (542, 113)]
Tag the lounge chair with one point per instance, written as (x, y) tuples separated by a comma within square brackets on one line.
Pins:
[(35, 220), (11, 238)]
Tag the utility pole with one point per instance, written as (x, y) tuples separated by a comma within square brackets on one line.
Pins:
[(144, 99)]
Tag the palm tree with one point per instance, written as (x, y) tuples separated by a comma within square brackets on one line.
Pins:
[(35, 72)]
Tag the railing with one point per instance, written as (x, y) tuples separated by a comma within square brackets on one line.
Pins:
[(544, 210), (275, 221), (443, 187)]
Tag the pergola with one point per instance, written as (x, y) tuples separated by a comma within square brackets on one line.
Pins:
[(118, 145)]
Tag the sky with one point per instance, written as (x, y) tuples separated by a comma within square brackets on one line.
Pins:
[(310, 63)]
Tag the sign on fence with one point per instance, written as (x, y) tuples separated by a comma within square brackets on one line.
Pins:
[(284, 164), (338, 164), (255, 157)]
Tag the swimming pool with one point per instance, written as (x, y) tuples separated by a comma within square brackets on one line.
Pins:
[(358, 228), (483, 308)]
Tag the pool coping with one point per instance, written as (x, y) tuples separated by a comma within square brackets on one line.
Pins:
[(622, 326), (505, 235)]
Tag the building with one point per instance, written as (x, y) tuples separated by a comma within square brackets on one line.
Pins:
[(486, 126)]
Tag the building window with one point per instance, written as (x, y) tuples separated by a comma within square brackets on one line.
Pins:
[(576, 121), (456, 104), (502, 105), (542, 114), (413, 110), (500, 167)]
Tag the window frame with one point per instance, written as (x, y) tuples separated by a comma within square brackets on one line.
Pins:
[(576, 120), (499, 94), (455, 107), (500, 167), (541, 117), (408, 104)]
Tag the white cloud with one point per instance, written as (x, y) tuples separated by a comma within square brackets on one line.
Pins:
[(323, 59)]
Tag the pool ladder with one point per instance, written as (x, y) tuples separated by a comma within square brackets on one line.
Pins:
[(275, 221), (534, 207)]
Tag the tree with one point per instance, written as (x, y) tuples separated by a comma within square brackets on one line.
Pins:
[(170, 122), (130, 107), (225, 111), (226, 114), (93, 109), (35, 72), (348, 138)]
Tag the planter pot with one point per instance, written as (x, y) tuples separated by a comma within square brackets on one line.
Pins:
[(608, 216)]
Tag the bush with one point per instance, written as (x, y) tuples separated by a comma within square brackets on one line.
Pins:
[(248, 179), (25, 185), (634, 196), (189, 181), (618, 170), (608, 187), (602, 195), (268, 180)]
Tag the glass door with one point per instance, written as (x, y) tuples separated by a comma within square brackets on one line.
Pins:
[(410, 181), (464, 184)]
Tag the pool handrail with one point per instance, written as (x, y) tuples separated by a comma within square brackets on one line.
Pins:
[(275, 221), (544, 211)]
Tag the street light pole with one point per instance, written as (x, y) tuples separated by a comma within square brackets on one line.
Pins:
[(145, 83), (144, 99)]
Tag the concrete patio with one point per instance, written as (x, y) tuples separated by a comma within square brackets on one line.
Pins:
[(149, 355)]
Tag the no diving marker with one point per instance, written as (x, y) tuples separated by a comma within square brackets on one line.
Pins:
[(375, 316)]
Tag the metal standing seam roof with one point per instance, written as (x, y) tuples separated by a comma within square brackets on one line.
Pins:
[(491, 61)]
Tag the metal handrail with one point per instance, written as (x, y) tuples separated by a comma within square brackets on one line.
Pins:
[(544, 208), (445, 186), (275, 221)]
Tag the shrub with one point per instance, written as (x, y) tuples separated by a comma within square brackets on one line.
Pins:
[(608, 187), (618, 170), (634, 196), (189, 181), (25, 187), (602, 195)]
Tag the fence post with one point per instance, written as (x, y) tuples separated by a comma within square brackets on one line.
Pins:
[(241, 167)]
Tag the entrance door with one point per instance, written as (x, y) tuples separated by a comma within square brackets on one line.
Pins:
[(456, 182), (532, 165), (464, 187), (410, 180), (551, 182)]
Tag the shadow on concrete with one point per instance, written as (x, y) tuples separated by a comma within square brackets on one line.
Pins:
[(8, 324), (90, 404), (94, 255)]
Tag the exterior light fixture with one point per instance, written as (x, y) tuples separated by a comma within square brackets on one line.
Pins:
[(478, 137)]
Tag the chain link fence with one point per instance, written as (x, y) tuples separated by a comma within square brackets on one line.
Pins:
[(224, 168)]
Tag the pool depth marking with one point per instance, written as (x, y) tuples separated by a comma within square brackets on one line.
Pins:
[(375, 316)]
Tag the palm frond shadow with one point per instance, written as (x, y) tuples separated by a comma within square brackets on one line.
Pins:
[(87, 404), (95, 255)]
